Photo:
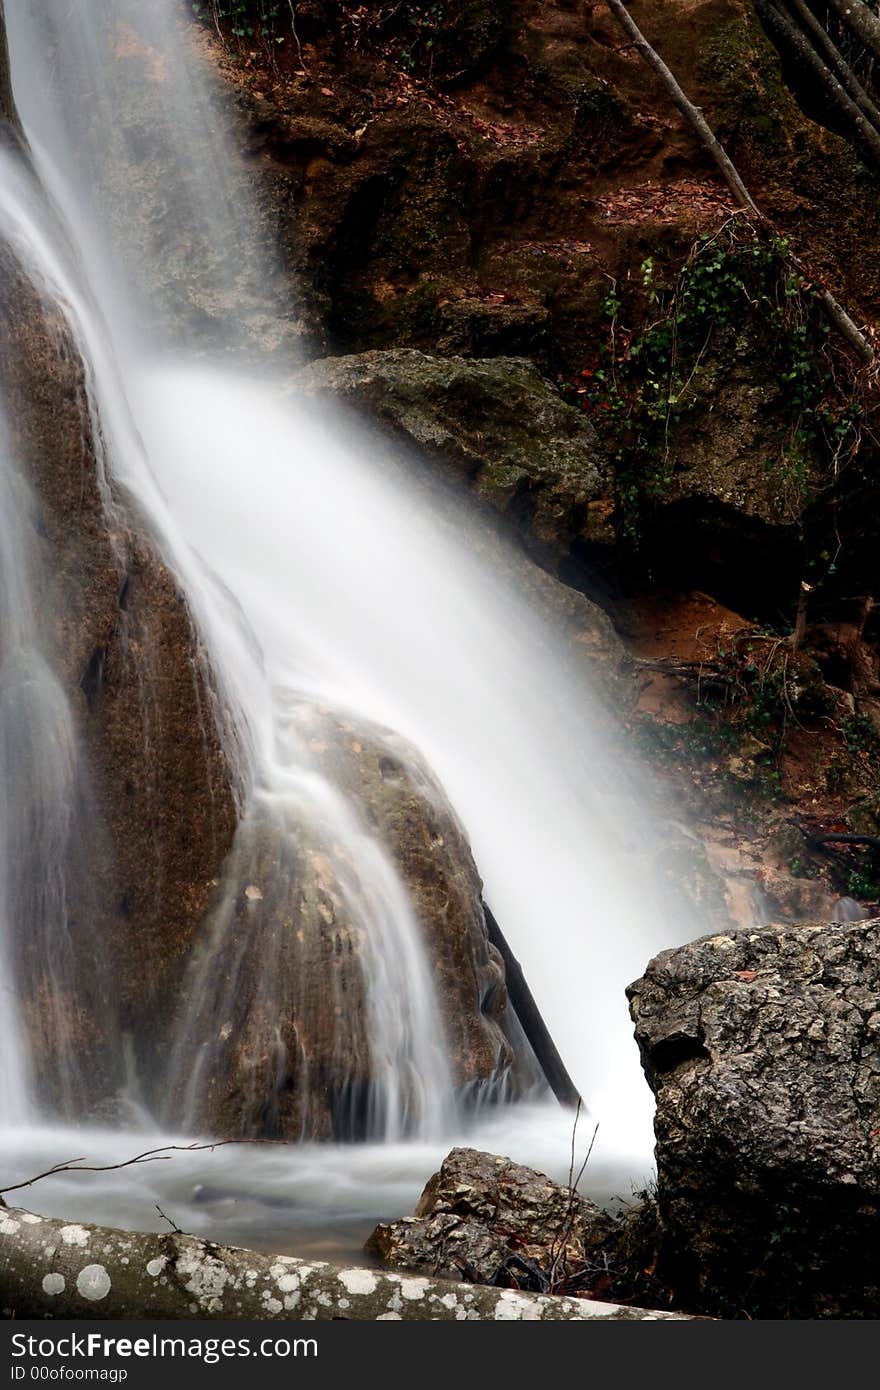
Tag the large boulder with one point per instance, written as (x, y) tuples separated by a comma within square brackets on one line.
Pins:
[(497, 423), (489, 1220), (277, 1032), (763, 1050)]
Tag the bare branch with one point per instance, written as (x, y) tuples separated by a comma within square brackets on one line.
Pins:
[(778, 20), (836, 60), (860, 20), (299, 52), (79, 1165), (834, 311)]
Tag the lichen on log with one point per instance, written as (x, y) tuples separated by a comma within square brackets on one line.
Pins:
[(57, 1269)]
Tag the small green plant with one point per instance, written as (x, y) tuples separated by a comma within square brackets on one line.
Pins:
[(860, 734), (864, 884), (406, 32), (242, 19), (647, 383), (425, 21)]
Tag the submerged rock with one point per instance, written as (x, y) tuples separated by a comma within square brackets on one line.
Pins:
[(496, 422), (489, 1220), (279, 1033), (763, 1051)]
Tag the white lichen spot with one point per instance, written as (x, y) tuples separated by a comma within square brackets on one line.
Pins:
[(389, 1317), (93, 1283), (722, 943), (272, 1305), (54, 1284), (74, 1235), (291, 1301), (449, 1300), (31, 1220), (8, 1227), (515, 1307), (414, 1288), (358, 1281), (253, 893), (155, 1267), (205, 1277)]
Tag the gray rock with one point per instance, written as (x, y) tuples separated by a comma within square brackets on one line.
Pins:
[(481, 1213), (763, 1051)]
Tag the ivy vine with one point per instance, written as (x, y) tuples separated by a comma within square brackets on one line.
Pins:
[(646, 383)]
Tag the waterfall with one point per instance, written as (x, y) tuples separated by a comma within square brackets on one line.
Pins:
[(20, 666), (321, 574)]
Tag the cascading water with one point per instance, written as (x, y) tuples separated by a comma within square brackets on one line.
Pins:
[(16, 614), (321, 573), (412, 1086), (47, 832)]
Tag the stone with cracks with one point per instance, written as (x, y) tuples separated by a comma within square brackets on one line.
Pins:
[(482, 1214), (763, 1050)]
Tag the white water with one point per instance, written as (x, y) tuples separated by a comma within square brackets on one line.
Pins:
[(18, 660), (362, 584)]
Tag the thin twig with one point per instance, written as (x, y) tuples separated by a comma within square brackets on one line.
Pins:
[(558, 1247), (299, 51), (173, 1224), (79, 1165)]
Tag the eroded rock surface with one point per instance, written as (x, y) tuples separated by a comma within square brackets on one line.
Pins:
[(495, 422), (763, 1051), (155, 807), (487, 1219), (276, 1025)]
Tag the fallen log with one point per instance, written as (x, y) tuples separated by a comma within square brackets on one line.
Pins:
[(57, 1269)]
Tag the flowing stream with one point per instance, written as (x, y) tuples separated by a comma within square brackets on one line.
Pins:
[(319, 571)]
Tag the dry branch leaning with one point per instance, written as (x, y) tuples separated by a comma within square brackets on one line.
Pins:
[(834, 311)]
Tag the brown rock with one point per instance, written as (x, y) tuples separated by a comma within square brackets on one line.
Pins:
[(481, 1215), (277, 1025), (155, 801)]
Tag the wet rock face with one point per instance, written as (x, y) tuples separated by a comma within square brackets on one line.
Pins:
[(156, 811), (275, 1021), (496, 423), (158, 839), (763, 1051), (485, 1218)]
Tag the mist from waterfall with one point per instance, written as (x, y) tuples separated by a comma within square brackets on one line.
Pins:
[(321, 568)]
